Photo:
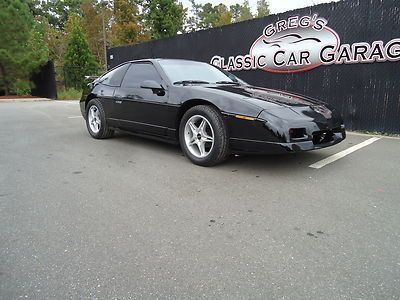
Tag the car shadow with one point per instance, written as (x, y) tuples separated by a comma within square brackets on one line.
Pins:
[(287, 162), (282, 163), (147, 143)]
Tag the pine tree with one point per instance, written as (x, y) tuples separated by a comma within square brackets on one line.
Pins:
[(236, 12), (241, 12), (79, 60), (224, 15), (164, 17), (208, 16), (245, 12), (22, 47), (262, 8), (192, 20)]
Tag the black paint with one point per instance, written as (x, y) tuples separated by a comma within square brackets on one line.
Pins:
[(367, 95), (275, 118)]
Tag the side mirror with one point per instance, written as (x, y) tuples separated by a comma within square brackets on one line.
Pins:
[(152, 85)]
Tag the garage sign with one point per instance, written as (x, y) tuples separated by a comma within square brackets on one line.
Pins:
[(303, 43)]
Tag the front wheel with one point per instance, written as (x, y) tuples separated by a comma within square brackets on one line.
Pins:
[(203, 136), (96, 122)]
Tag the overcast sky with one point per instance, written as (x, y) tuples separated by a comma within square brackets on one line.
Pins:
[(276, 6)]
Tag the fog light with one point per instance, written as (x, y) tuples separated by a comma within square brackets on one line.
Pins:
[(297, 133)]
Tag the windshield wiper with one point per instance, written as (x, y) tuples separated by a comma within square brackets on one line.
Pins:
[(227, 82), (191, 82)]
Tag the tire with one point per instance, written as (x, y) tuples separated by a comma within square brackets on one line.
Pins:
[(196, 140), (97, 124)]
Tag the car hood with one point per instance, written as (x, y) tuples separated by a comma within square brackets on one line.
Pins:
[(268, 98), (282, 104)]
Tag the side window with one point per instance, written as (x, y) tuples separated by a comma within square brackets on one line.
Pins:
[(139, 72), (114, 77)]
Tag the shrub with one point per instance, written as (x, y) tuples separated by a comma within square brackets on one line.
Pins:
[(69, 94), (22, 87)]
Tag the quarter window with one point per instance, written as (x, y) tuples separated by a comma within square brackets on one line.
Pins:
[(139, 72), (114, 77)]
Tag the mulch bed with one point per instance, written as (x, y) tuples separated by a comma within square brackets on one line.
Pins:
[(17, 97)]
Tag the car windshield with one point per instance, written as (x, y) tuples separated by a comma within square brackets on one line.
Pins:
[(181, 71)]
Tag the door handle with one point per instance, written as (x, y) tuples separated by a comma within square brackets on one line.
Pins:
[(118, 101)]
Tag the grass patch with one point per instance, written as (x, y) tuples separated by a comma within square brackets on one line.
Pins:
[(69, 94), (378, 133)]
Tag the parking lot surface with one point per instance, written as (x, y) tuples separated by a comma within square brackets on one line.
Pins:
[(128, 218)]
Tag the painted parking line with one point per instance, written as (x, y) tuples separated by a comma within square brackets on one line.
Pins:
[(74, 117), (341, 154)]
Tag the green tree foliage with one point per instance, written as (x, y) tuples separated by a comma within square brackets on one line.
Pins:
[(262, 8), (245, 12), (224, 15), (241, 12), (209, 16), (79, 61), (36, 46), (36, 7), (55, 39), (192, 19), (93, 13), (55, 11), (127, 27), (236, 10), (22, 50), (164, 17), (213, 16)]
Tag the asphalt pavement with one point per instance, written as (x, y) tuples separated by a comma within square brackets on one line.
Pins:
[(131, 218)]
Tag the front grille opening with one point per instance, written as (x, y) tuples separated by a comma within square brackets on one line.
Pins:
[(322, 137), (297, 133)]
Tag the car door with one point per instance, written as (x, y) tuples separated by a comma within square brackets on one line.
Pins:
[(105, 91), (142, 110)]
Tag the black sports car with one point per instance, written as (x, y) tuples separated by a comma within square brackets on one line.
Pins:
[(209, 111)]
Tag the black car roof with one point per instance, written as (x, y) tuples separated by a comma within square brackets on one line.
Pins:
[(150, 60), (158, 59)]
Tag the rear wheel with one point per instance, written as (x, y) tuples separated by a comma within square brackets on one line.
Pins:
[(203, 136), (96, 122)]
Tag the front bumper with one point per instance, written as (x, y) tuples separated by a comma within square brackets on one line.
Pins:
[(239, 145)]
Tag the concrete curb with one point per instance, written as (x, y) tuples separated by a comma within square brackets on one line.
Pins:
[(25, 100)]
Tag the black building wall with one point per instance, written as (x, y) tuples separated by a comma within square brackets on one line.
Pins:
[(45, 82), (368, 95)]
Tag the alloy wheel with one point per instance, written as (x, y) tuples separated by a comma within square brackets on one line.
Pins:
[(94, 119), (199, 136)]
